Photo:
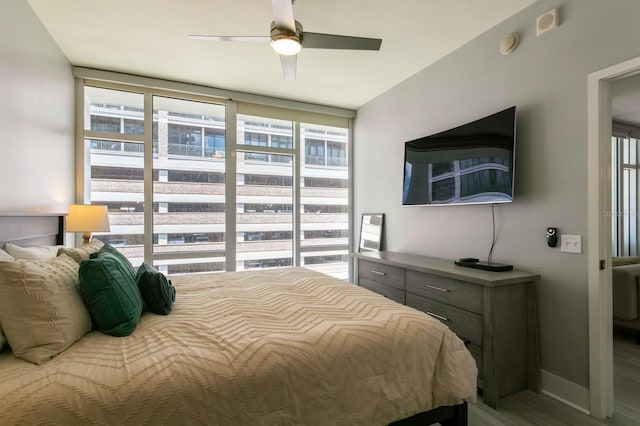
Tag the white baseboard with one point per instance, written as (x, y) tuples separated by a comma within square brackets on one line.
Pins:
[(569, 393)]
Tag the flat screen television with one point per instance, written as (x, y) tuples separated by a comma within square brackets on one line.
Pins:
[(469, 164)]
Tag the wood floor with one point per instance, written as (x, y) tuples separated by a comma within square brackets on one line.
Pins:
[(530, 408)]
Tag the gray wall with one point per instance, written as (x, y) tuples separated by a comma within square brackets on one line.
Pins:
[(36, 115), (546, 78)]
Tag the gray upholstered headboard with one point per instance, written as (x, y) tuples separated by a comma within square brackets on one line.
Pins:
[(28, 229)]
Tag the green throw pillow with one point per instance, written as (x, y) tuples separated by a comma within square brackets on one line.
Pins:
[(108, 248), (157, 291), (109, 289)]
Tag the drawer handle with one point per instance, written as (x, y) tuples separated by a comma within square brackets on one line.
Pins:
[(441, 318), (377, 272), (437, 288)]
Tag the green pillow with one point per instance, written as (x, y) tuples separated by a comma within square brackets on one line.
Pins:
[(109, 290), (157, 291), (108, 248)]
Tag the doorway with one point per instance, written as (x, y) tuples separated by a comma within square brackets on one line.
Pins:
[(599, 229)]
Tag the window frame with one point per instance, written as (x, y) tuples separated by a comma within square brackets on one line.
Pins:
[(310, 114)]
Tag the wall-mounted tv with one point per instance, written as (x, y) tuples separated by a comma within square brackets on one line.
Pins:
[(469, 164)]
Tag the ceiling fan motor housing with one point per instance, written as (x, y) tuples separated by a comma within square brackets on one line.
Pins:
[(278, 33)]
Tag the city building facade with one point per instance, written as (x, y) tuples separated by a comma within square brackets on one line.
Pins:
[(198, 186)]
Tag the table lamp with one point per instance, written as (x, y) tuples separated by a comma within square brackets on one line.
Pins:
[(87, 219)]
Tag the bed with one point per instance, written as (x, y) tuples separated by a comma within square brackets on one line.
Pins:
[(284, 346)]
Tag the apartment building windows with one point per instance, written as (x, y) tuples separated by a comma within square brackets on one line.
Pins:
[(105, 124), (314, 152), (264, 236), (336, 154), (189, 191), (258, 131), (194, 176), (255, 139), (326, 152), (325, 208), (160, 163), (267, 208), (214, 143), (321, 182), (117, 125), (114, 173), (266, 180), (185, 141), (192, 207)]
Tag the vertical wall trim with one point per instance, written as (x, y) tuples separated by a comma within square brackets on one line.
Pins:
[(350, 208), (297, 167), (82, 162), (567, 392), (599, 234), (81, 187), (230, 165), (148, 177)]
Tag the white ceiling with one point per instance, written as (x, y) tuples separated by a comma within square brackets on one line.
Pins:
[(149, 37)]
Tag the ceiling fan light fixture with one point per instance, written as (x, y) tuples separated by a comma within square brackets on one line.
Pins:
[(286, 41), (286, 44)]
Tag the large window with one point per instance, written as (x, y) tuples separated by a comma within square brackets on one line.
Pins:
[(625, 200), (264, 193), (116, 169), (189, 190), (162, 167), (324, 200)]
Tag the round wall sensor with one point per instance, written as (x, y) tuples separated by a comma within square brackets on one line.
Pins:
[(509, 43)]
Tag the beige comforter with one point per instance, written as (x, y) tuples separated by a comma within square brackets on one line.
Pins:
[(275, 347)]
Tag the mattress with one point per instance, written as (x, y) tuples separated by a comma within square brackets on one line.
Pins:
[(274, 347)]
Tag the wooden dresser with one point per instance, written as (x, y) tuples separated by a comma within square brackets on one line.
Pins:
[(494, 312)]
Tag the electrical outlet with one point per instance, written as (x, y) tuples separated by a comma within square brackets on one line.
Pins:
[(571, 243)]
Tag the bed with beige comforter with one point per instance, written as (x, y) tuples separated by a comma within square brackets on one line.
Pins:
[(276, 347)]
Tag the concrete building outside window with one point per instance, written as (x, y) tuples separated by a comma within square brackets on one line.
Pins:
[(190, 204)]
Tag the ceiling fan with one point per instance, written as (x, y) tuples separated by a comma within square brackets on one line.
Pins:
[(287, 38)]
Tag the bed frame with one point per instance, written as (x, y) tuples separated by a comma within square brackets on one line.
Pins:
[(49, 229), (32, 229), (454, 415)]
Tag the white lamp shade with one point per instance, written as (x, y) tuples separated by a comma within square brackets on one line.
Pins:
[(88, 218)]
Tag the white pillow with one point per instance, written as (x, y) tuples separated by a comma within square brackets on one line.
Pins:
[(5, 256), (32, 253), (82, 253), (41, 310)]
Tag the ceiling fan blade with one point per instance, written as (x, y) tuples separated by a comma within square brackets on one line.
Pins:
[(331, 41), (264, 39), (289, 63), (283, 15)]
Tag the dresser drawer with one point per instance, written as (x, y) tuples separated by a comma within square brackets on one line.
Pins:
[(388, 292), (388, 275), (465, 324), (453, 292)]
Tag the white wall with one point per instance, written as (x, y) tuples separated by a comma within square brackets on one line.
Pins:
[(36, 115), (546, 78)]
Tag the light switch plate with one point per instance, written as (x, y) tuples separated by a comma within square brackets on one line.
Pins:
[(571, 243)]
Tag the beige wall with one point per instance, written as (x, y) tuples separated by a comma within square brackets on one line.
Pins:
[(36, 115)]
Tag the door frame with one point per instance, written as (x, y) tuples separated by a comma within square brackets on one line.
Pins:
[(599, 234)]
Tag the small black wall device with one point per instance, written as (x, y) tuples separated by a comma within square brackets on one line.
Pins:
[(552, 237)]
